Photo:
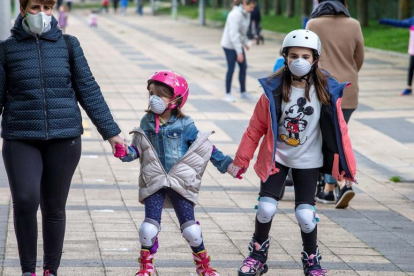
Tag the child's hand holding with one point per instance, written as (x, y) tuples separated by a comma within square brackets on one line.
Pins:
[(236, 171), (120, 151), (126, 156)]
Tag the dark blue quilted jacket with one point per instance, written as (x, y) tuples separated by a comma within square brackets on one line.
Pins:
[(40, 101)]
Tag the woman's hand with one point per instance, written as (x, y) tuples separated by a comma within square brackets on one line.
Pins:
[(240, 58), (118, 140)]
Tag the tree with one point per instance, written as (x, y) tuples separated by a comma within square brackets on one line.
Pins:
[(214, 4), (278, 7), (266, 7), (404, 9), (5, 19), (226, 4), (363, 12), (290, 8), (305, 8)]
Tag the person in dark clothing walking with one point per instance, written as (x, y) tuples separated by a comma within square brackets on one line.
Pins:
[(42, 81), (255, 28), (115, 4)]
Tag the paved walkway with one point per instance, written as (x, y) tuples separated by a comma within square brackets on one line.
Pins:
[(373, 237)]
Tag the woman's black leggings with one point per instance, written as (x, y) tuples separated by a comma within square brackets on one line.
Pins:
[(40, 173), (411, 71), (305, 185)]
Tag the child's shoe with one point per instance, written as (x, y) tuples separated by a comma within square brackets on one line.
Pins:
[(229, 98), (47, 273), (311, 265), (146, 261), (255, 264), (406, 92), (29, 274), (202, 262)]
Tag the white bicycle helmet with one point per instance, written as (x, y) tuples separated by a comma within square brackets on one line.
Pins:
[(302, 38)]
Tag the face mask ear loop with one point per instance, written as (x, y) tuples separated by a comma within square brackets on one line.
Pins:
[(172, 104)]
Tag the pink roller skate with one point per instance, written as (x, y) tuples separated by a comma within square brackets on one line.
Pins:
[(146, 260), (255, 264), (202, 262), (311, 264)]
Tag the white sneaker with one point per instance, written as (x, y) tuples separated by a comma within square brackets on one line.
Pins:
[(247, 96), (229, 98)]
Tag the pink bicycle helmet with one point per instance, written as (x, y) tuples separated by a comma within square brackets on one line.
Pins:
[(178, 84)]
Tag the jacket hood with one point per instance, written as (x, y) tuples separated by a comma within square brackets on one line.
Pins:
[(330, 8), (241, 9), (17, 31), (336, 88)]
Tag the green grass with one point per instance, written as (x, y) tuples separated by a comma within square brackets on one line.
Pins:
[(91, 6), (386, 37), (376, 35), (396, 179)]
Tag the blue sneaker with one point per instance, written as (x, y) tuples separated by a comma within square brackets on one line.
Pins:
[(406, 92)]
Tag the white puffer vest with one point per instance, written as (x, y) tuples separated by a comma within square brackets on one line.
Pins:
[(184, 177)]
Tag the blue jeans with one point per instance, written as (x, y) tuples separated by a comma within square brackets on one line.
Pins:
[(231, 56), (139, 9)]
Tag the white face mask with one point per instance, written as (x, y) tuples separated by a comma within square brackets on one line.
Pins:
[(157, 105), (300, 67), (38, 23)]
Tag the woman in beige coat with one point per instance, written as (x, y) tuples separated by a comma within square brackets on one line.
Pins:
[(343, 56)]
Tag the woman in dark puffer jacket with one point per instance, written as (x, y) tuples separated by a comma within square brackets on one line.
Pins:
[(41, 85)]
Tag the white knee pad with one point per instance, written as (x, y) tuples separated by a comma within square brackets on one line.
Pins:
[(191, 231), (307, 217), (266, 209), (148, 232)]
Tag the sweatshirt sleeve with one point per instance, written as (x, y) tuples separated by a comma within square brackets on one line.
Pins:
[(397, 23), (359, 50), (89, 94), (234, 32), (257, 127), (2, 87)]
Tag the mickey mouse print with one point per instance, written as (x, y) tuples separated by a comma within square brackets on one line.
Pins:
[(295, 122), (299, 137)]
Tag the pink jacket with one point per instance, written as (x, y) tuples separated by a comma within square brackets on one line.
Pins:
[(339, 160)]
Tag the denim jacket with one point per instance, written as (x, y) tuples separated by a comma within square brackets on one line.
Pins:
[(174, 139)]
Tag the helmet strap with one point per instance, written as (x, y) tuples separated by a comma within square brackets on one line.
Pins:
[(157, 123)]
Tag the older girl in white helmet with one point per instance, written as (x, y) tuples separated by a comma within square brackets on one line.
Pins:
[(300, 117)]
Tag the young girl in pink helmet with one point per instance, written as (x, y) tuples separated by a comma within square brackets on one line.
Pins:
[(173, 156), (300, 119)]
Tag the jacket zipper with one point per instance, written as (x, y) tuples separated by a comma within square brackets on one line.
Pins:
[(43, 87), (274, 150), (152, 147)]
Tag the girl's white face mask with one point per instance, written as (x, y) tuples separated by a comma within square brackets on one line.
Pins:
[(300, 67), (157, 105), (38, 23)]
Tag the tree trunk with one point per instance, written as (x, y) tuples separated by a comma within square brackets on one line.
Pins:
[(214, 4), (305, 8), (202, 12), (278, 7), (290, 8), (5, 19), (266, 7), (226, 4), (363, 12), (403, 9)]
